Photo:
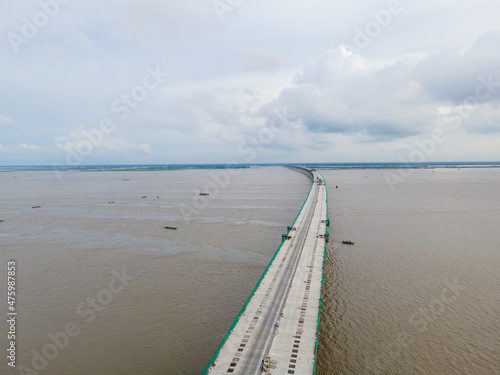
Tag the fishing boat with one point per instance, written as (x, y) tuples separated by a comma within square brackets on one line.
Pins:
[(348, 242), (36, 206), (171, 228), (203, 194)]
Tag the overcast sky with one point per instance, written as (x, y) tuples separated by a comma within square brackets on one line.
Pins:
[(225, 81)]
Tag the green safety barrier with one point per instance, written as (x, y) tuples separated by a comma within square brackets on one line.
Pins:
[(322, 279)]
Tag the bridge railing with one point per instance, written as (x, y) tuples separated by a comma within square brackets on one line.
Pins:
[(303, 170)]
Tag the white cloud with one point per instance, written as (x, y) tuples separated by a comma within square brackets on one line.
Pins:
[(344, 93), (86, 142), (28, 146), (5, 120), (226, 77)]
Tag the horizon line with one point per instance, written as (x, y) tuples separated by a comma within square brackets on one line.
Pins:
[(252, 164)]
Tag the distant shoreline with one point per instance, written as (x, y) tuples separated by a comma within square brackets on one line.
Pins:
[(176, 167)]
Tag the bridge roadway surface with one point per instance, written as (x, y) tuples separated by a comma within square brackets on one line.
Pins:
[(289, 293)]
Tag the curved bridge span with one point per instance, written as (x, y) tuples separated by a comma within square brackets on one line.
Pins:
[(277, 329)]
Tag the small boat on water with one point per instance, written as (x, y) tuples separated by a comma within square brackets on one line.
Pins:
[(204, 194), (1, 221), (36, 206), (145, 196), (171, 228), (348, 242), (111, 202)]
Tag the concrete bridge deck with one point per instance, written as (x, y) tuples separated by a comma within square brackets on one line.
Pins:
[(276, 331)]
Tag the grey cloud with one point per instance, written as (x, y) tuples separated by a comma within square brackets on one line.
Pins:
[(451, 75), (228, 77), (342, 93), (260, 60), (138, 20)]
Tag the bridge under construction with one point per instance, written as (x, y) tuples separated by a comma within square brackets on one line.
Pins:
[(276, 331)]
